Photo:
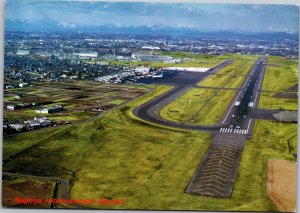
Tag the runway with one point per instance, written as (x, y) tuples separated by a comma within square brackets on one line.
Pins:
[(235, 117), (150, 110), (216, 173)]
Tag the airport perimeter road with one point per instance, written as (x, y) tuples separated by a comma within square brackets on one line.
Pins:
[(150, 110), (216, 173), (237, 117)]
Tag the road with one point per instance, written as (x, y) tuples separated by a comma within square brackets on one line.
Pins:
[(150, 110), (216, 173), (236, 118), (215, 176)]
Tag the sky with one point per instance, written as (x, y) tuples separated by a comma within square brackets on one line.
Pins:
[(205, 17)]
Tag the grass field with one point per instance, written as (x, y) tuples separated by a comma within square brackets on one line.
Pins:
[(270, 140), (150, 166), (185, 108), (116, 102), (198, 106), (267, 101), (232, 76), (214, 110), (281, 74)]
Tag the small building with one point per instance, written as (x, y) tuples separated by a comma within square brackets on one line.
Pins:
[(46, 122), (142, 70), (88, 54), (33, 123), (23, 52), (23, 85), (42, 110), (150, 48), (17, 127), (11, 107), (18, 96), (53, 109), (5, 124), (39, 122), (9, 87)]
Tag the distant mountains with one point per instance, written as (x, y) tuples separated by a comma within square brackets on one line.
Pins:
[(160, 30)]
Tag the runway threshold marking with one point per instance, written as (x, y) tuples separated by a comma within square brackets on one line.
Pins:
[(234, 131)]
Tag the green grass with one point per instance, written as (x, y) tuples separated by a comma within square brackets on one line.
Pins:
[(270, 140), (9, 98), (213, 103), (63, 138), (280, 74), (148, 165), (116, 102), (266, 101), (214, 110), (216, 81), (232, 75), (137, 160), (64, 118), (184, 107)]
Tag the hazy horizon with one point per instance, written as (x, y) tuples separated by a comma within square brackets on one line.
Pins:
[(76, 15)]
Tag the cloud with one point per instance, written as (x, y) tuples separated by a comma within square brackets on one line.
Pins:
[(76, 14), (67, 25)]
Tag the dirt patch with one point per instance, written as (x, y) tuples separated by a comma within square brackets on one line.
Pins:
[(291, 93), (79, 96), (26, 188), (281, 184), (293, 88), (288, 95), (73, 88), (274, 65)]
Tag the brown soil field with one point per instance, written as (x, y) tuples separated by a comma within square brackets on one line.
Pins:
[(290, 95), (293, 88), (281, 184), (85, 96), (26, 188)]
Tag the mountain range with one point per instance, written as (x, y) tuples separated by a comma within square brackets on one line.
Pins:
[(158, 30)]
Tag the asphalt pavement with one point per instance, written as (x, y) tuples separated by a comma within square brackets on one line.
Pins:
[(216, 173), (150, 110), (237, 117)]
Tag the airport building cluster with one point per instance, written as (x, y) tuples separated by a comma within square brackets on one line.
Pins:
[(36, 56)]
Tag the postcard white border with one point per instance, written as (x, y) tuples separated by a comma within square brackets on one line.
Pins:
[(2, 15)]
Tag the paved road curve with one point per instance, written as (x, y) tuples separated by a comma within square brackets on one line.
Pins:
[(150, 110), (216, 173)]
